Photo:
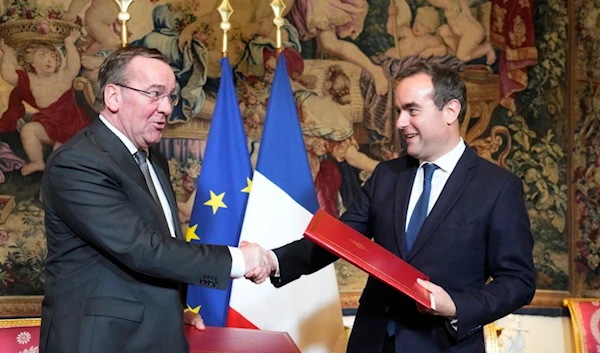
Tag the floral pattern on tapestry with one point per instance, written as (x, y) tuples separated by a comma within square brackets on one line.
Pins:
[(586, 155), (539, 143)]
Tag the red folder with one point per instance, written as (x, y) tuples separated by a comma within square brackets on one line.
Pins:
[(343, 241), (238, 340)]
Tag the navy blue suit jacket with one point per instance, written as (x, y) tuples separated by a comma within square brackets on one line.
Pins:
[(478, 228)]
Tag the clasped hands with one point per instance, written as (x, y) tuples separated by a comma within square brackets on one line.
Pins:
[(259, 262), (259, 266)]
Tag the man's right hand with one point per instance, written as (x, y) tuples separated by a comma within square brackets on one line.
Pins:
[(258, 261)]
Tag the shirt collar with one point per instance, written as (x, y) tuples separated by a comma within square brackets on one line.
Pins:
[(448, 162), (127, 142)]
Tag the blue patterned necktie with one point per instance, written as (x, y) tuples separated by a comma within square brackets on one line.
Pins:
[(420, 212), (416, 221)]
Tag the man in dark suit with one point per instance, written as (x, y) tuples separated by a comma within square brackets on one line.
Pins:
[(116, 252), (451, 214)]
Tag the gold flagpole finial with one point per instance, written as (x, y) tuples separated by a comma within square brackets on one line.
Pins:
[(124, 16), (225, 10), (278, 6)]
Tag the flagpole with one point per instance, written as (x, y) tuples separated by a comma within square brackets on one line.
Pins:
[(124, 16), (225, 10), (278, 6)]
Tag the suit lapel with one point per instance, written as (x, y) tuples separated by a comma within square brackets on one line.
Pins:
[(456, 184), (402, 191), (110, 144), (166, 186)]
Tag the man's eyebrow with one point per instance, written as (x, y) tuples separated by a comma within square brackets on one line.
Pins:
[(156, 87), (410, 105)]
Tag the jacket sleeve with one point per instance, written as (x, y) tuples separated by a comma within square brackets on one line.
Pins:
[(83, 192), (509, 261)]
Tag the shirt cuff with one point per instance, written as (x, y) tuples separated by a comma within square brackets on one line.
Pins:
[(276, 261), (238, 265)]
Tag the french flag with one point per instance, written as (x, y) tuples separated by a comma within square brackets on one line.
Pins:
[(280, 206)]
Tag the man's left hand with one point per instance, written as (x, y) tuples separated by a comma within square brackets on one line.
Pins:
[(191, 318), (444, 305)]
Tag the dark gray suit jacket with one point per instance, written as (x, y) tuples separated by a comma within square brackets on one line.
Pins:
[(113, 270), (478, 228)]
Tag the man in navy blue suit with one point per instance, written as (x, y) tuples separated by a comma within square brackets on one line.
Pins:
[(446, 211)]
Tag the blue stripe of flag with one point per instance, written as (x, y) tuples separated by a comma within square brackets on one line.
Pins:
[(282, 158)]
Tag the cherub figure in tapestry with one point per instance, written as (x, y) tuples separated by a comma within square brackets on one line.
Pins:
[(416, 38), (328, 136), (420, 39), (462, 33), (332, 21), (46, 85), (101, 23)]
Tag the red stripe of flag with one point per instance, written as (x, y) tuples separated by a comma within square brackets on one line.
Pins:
[(235, 319)]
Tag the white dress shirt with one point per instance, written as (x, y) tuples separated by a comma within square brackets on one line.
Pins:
[(446, 164), (238, 267)]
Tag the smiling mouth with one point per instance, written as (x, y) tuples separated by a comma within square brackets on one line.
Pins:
[(409, 136)]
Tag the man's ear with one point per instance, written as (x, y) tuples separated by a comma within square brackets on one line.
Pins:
[(452, 111), (112, 98)]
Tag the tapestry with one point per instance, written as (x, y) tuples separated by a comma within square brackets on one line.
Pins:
[(343, 57)]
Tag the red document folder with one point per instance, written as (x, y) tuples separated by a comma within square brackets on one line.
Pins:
[(238, 340), (343, 241)]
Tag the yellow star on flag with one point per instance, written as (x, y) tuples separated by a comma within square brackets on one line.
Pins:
[(247, 188), (216, 201), (194, 310), (191, 233)]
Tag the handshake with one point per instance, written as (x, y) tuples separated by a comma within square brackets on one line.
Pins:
[(260, 263)]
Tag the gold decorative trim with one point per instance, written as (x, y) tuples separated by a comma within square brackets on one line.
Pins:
[(576, 319), (10, 323), (542, 299), (490, 335), (21, 306), (548, 299)]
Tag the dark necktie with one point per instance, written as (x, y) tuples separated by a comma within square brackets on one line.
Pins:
[(142, 161), (420, 212), (416, 221)]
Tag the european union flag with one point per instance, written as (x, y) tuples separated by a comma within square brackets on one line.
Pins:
[(222, 193)]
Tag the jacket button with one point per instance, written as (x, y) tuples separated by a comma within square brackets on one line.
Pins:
[(387, 309)]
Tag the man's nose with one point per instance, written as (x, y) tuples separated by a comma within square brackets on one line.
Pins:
[(402, 120), (164, 106)]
